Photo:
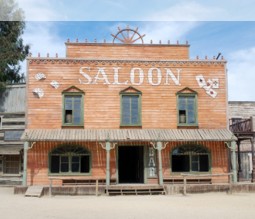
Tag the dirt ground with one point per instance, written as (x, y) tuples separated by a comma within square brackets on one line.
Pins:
[(206, 206)]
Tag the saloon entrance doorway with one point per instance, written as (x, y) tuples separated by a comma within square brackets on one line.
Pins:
[(131, 164)]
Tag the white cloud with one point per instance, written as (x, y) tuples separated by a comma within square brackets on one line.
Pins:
[(149, 10), (165, 31), (187, 11), (40, 10), (241, 75), (43, 39)]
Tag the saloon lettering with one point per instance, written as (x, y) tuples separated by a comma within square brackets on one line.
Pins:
[(137, 76)]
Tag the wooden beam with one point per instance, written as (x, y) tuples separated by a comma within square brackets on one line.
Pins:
[(253, 160)]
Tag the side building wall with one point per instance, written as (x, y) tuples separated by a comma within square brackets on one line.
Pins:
[(239, 111), (12, 125)]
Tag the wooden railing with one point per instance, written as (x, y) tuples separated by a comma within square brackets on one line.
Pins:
[(187, 176), (243, 126), (78, 181)]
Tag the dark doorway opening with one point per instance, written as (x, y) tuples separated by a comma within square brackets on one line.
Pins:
[(130, 164)]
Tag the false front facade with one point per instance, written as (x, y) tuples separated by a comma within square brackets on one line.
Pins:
[(125, 113)]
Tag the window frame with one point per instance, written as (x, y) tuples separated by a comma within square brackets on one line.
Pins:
[(192, 154), (70, 155), (139, 94), (11, 165), (195, 124), (64, 95)]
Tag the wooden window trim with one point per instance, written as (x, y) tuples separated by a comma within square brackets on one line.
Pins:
[(190, 154), (70, 155), (139, 124), (188, 125), (64, 124), (10, 163)]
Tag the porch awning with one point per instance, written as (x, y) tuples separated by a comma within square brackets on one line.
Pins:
[(33, 135)]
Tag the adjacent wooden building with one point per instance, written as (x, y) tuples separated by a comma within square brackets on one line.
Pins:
[(12, 125), (126, 113), (242, 124)]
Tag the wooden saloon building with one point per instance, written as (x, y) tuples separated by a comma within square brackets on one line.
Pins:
[(126, 112)]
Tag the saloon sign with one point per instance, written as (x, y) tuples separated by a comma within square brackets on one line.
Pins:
[(137, 76)]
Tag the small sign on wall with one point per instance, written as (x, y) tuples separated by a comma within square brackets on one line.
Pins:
[(210, 85), (152, 162)]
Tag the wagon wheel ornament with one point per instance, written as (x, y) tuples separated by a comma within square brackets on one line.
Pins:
[(128, 35)]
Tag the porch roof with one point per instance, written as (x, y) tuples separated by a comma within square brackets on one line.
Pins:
[(125, 135)]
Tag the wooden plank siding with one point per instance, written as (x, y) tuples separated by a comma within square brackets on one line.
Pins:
[(12, 124), (218, 155), (126, 52), (38, 162), (102, 105), (102, 102)]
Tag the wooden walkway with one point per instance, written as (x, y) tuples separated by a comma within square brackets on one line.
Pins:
[(136, 189)]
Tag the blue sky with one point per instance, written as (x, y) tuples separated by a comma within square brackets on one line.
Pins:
[(209, 26)]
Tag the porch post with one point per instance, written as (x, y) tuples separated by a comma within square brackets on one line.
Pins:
[(233, 152), (107, 148), (239, 160), (159, 149), (253, 160), (24, 178)]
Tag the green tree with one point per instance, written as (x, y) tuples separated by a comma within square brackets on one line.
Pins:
[(12, 49)]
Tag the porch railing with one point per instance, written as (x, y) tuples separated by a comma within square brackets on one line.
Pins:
[(241, 126), (187, 176)]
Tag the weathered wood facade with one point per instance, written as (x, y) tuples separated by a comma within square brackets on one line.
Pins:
[(242, 124), (12, 125), (143, 113)]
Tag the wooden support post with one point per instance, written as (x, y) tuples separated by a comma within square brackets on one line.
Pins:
[(107, 148), (239, 160), (253, 160), (230, 185), (159, 148), (233, 152), (50, 188), (24, 178), (184, 185), (97, 187)]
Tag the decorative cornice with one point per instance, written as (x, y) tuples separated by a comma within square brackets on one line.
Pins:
[(103, 62)]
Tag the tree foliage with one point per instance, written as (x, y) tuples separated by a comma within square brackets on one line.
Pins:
[(12, 49)]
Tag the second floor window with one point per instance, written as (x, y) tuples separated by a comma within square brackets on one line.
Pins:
[(131, 108), (187, 108), (73, 108)]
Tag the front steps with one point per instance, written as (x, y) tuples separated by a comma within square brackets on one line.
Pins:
[(130, 189)]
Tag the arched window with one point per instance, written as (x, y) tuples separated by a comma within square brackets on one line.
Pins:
[(69, 159), (190, 158)]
